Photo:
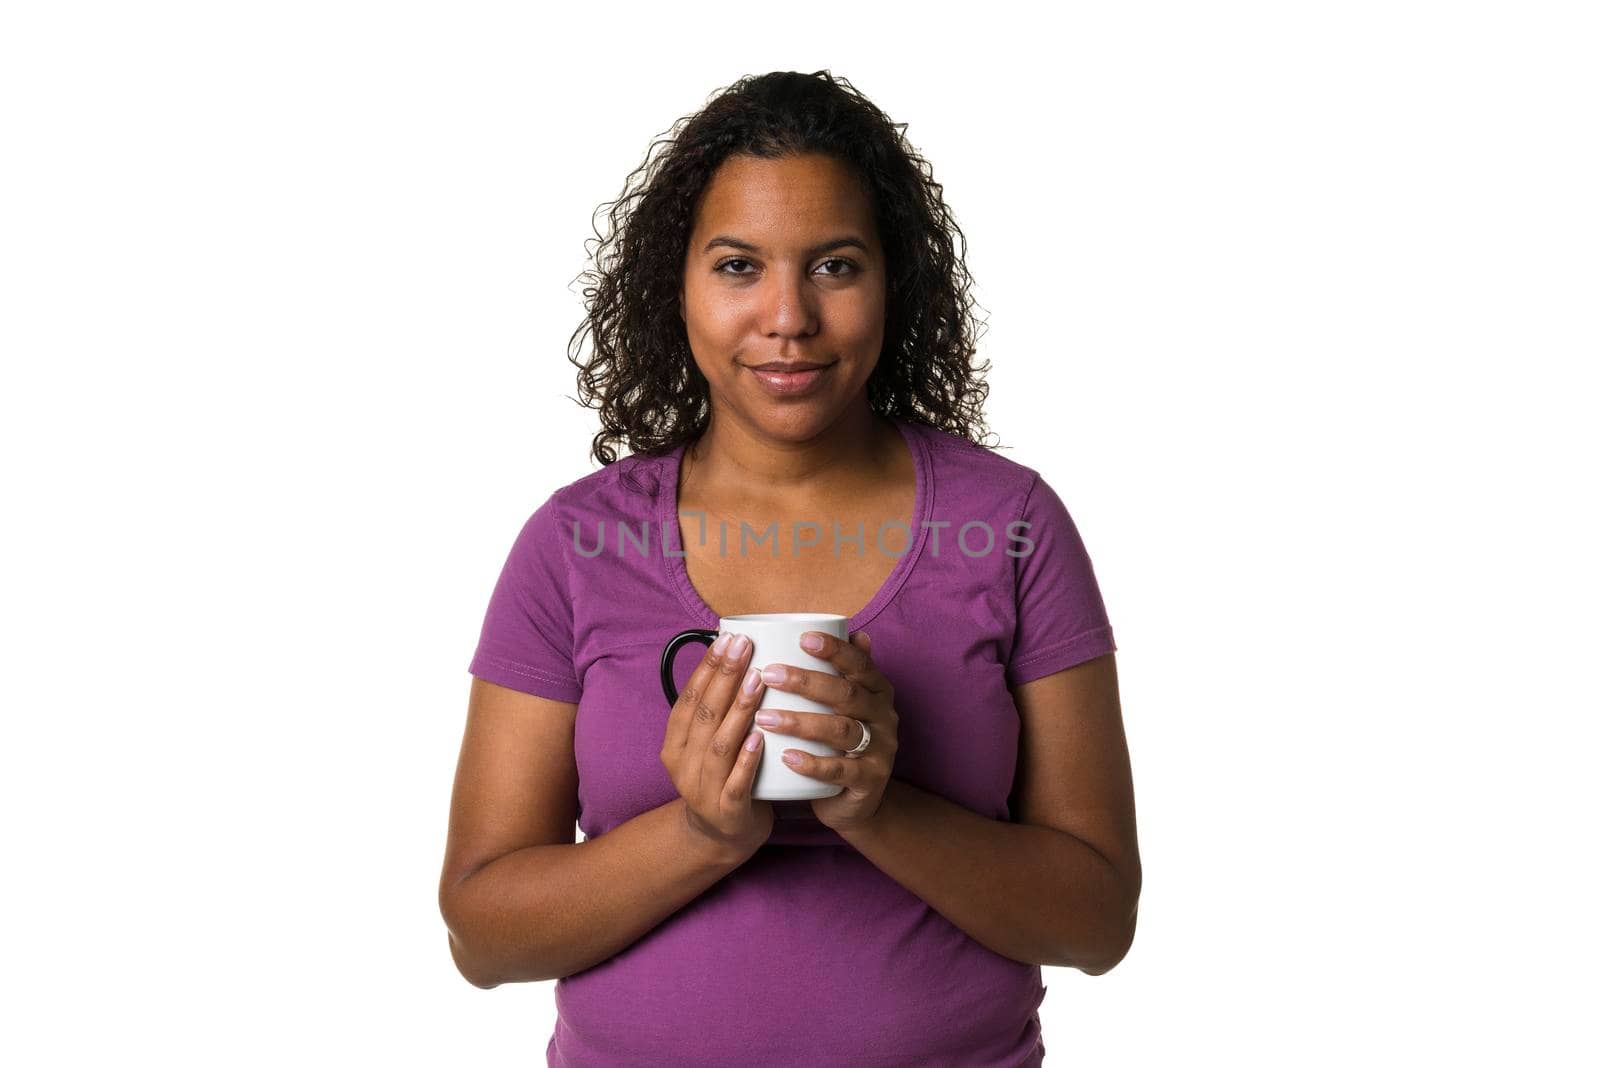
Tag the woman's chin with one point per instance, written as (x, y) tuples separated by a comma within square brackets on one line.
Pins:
[(793, 421)]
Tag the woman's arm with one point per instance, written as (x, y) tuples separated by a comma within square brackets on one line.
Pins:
[(1061, 885), (521, 900)]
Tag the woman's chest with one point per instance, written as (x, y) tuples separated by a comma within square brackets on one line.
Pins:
[(835, 560), (813, 581)]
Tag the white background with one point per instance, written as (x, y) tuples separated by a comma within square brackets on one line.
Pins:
[(1294, 304)]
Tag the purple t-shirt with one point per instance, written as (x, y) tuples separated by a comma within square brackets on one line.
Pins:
[(807, 953)]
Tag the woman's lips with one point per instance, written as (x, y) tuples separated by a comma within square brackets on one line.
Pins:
[(790, 383)]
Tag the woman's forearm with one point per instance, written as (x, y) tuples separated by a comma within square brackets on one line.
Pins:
[(548, 911), (1034, 894)]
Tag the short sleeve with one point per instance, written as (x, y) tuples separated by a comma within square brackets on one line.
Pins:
[(526, 641), (1061, 619)]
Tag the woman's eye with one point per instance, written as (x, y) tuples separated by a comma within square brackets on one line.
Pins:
[(841, 267)]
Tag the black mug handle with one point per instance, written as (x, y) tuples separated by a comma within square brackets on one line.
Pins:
[(668, 655)]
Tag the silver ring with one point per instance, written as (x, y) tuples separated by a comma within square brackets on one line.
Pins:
[(861, 746)]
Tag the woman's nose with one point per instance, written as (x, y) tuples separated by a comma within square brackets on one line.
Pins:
[(788, 309)]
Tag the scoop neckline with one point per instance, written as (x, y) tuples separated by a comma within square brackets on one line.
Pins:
[(667, 514)]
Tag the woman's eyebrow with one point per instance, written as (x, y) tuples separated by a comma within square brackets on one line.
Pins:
[(827, 246)]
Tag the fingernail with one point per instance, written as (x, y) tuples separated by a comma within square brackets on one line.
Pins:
[(720, 645), (772, 673), (753, 742), (739, 645), (811, 643), (792, 759), (752, 681), (768, 719)]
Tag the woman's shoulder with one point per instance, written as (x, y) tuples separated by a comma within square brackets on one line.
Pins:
[(577, 513), (624, 489), (964, 468)]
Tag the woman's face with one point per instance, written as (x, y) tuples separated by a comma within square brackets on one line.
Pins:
[(784, 268)]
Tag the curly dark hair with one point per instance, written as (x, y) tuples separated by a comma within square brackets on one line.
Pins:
[(642, 376)]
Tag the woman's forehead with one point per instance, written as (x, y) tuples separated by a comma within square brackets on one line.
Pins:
[(811, 199)]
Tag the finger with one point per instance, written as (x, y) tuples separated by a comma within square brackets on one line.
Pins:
[(678, 720), (853, 659), (724, 748), (829, 728), (846, 771), (695, 695), (840, 694), (711, 704), (741, 782)]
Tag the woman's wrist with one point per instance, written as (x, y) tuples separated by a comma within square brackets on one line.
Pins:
[(724, 856)]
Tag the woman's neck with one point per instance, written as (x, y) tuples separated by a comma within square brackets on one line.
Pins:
[(734, 456)]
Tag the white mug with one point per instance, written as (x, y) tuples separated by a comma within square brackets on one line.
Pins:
[(775, 637)]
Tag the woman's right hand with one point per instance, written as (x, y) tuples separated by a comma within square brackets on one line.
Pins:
[(705, 753)]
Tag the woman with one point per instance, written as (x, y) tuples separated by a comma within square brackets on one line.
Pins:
[(782, 340)]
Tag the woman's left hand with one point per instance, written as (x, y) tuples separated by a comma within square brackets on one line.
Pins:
[(859, 694)]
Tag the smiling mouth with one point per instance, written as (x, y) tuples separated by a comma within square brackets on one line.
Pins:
[(791, 367), (790, 383)]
